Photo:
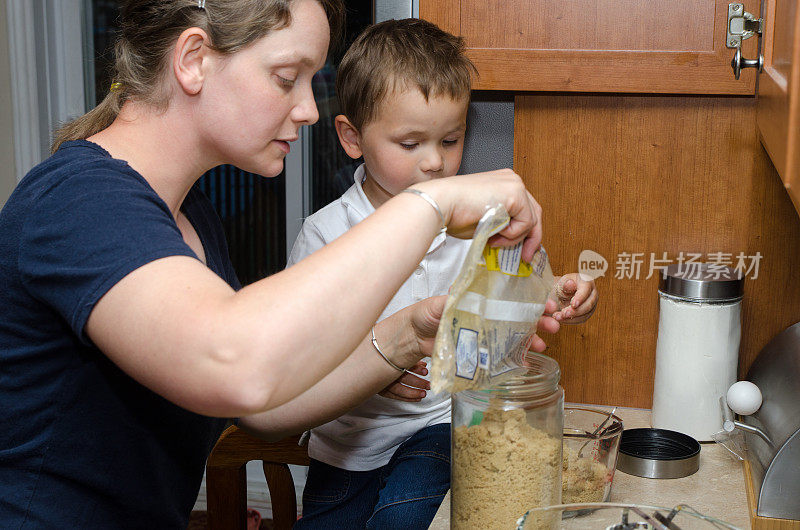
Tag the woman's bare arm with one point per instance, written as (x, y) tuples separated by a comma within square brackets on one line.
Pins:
[(178, 329)]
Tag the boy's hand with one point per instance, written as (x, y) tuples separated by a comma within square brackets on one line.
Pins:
[(577, 299), (409, 387)]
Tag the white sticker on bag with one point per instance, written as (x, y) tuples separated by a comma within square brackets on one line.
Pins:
[(483, 358), (490, 309), (467, 353), (509, 259)]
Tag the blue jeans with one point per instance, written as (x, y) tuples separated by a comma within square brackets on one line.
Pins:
[(405, 493)]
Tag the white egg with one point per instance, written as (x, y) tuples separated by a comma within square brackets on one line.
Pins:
[(744, 398)]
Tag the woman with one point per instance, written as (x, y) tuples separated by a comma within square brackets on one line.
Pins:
[(126, 339)]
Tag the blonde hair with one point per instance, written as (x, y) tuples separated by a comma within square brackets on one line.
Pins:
[(149, 29), (396, 54)]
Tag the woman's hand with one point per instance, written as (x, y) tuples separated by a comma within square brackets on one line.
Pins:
[(577, 299), (463, 200), (408, 335), (405, 337), (546, 323), (423, 322)]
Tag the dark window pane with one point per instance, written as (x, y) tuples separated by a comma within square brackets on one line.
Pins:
[(104, 31), (253, 213), (331, 168)]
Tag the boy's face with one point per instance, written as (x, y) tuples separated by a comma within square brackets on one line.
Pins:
[(411, 140)]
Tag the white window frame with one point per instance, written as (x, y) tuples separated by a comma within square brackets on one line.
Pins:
[(46, 52), (298, 185)]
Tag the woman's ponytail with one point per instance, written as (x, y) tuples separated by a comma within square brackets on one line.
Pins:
[(90, 123)]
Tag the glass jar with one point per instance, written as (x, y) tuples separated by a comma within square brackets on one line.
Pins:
[(506, 448), (697, 351)]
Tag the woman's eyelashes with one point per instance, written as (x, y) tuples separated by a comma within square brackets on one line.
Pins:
[(285, 77), (285, 82)]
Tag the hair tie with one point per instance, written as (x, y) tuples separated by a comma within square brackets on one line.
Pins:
[(201, 4), (115, 87)]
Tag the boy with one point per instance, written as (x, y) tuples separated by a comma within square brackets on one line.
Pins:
[(404, 88)]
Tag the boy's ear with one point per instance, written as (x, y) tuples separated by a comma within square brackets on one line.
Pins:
[(348, 136), (189, 60)]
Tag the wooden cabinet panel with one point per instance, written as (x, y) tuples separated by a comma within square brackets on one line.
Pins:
[(597, 45), (653, 175), (779, 92), (680, 25)]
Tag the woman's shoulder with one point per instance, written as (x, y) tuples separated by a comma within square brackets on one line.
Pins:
[(82, 182), (78, 167), (77, 156)]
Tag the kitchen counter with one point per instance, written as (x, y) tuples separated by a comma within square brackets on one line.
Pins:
[(717, 489)]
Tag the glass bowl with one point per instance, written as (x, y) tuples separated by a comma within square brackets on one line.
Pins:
[(617, 516), (589, 454)]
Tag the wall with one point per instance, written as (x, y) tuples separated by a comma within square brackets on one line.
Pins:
[(650, 174), (7, 167), (489, 141)]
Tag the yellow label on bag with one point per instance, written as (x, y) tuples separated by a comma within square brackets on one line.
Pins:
[(507, 260)]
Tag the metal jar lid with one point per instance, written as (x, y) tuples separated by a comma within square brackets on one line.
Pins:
[(702, 282), (657, 453)]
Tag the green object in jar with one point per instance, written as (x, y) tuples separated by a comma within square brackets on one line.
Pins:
[(477, 418)]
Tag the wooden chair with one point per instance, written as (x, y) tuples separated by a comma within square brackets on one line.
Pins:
[(226, 478)]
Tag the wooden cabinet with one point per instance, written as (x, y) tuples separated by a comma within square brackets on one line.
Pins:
[(779, 92), (632, 132), (676, 47), (639, 179)]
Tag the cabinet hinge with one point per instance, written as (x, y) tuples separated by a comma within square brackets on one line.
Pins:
[(741, 25)]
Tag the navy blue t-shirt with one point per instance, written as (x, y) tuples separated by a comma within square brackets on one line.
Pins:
[(82, 445)]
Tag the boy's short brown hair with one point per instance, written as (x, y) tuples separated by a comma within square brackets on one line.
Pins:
[(398, 54)]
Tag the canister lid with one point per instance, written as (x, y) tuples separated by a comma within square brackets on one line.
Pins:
[(702, 282)]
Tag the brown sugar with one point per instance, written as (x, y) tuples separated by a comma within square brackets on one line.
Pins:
[(584, 479), (502, 467)]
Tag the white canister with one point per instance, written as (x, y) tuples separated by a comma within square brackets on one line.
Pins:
[(699, 330)]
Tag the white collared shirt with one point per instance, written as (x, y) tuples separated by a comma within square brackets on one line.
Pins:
[(366, 437)]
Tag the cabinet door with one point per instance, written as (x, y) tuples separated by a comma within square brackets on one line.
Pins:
[(779, 92), (676, 47)]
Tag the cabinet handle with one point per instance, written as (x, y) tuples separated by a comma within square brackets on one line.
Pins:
[(738, 62)]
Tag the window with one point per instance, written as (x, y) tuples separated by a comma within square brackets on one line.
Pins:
[(261, 216)]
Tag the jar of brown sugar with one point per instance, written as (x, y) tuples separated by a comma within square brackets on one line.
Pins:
[(506, 448)]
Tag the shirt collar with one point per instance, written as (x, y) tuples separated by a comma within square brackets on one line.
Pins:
[(358, 206)]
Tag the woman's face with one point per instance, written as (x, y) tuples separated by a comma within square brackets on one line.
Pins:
[(254, 101)]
